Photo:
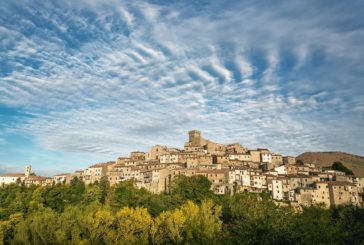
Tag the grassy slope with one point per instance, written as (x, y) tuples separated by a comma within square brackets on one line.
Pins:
[(353, 162)]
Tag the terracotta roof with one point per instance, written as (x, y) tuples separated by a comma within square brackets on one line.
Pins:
[(159, 168), (146, 170), (213, 171), (239, 167), (234, 154), (255, 170), (297, 175), (269, 175), (39, 178), (100, 165), (63, 174), (337, 183), (173, 150), (12, 175), (155, 164), (304, 188)]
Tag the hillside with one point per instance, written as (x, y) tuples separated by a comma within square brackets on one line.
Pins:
[(353, 162)]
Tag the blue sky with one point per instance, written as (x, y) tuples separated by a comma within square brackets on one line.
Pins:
[(87, 81)]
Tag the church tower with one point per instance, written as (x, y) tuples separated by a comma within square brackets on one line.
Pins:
[(28, 168)]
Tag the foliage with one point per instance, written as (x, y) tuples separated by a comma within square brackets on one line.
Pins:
[(132, 226), (254, 219), (168, 227), (299, 162), (195, 188), (340, 167), (123, 214)]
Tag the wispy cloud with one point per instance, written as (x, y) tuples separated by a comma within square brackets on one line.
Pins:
[(110, 77)]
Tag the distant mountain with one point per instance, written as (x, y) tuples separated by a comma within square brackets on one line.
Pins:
[(323, 159)]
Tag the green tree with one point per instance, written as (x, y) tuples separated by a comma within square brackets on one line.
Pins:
[(56, 197), (99, 226), (299, 162), (132, 227), (39, 228), (315, 225), (123, 194), (350, 222), (195, 188), (168, 227), (93, 193), (73, 227), (340, 167), (203, 224), (7, 228), (255, 219)]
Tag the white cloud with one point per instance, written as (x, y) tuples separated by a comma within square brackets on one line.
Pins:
[(127, 16), (175, 69), (246, 69)]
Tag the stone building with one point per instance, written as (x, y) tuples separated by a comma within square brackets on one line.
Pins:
[(219, 179), (303, 196), (231, 169), (155, 152), (277, 160), (160, 180), (236, 148), (289, 160), (38, 180), (244, 157), (333, 193), (343, 193), (265, 156), (196, 161), (281, 188), (97, 171), (9, 178), (64, 178), (197, 143), (137, 156), (255, 156)]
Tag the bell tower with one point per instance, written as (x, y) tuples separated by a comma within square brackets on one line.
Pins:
[(28, 169), (195, 137)]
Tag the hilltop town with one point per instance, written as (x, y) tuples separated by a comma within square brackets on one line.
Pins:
[(230, 168)]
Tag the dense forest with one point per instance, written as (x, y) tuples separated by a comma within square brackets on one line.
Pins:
[(122, 214)]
